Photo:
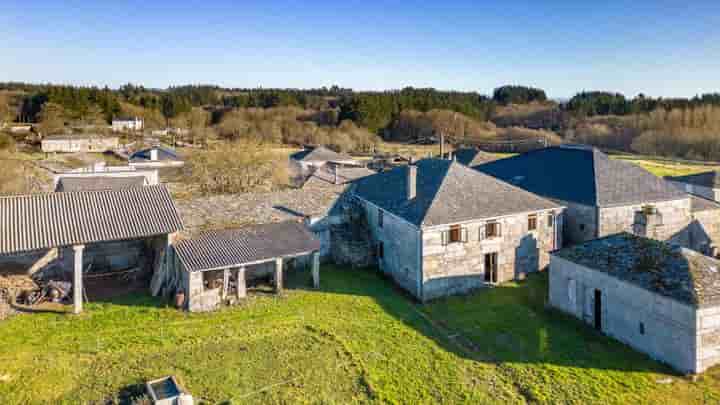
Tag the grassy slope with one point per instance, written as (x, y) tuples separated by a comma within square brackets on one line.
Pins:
[(357, 340)]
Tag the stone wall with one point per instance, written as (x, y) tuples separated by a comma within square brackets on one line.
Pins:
[(705, 232), (708, 338), (676, 217), (401, 248), (459, 267), (580, 223), (663, 328)]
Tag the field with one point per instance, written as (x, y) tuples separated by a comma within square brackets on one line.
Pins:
[(357, 340)]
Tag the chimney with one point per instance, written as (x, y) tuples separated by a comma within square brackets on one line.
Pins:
[(336, 179), (411, 181), (153, 154)]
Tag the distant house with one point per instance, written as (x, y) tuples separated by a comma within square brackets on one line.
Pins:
[(78, 143), (156, 156), (305, 162), (706, 184), (127, 124), (98, 182), (441, 228), (472, 156), (606, 196), (329, 176), (660, 299)]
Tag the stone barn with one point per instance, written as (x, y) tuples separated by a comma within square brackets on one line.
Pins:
[(440, 228), (660, 299), (215, 266), (101, 239)]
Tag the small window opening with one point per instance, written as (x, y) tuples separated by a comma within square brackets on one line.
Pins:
[(532, 222), (492, 230), (642, 328)]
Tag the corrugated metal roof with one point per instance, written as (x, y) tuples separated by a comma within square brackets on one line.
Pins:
[(41, 221), (97, 183), (234, 247)]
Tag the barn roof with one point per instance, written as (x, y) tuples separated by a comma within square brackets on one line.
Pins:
[(671, 271), (97, 183), (214, 250), (582, 175), (447, 192), (47, 220), (320, 154)]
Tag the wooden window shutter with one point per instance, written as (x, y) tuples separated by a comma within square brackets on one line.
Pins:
[(482, 230), (464, 235), (499, 229), (445, 235)]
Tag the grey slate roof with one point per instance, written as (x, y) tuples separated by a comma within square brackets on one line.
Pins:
[(706, 179), (97, 183), (447, 192), (320, 154), (163, 153), (582, 175), (671, 271), (234, 247), (47, 220), (698, 204), (326, 176), (473, 157)]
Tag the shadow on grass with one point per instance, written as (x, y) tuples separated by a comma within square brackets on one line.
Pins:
[(505, 324)]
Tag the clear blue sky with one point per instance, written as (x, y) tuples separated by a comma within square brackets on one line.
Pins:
[(660, 48)]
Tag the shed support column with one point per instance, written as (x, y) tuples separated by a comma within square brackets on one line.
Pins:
[(278, 275), (241, 286), (226, 283), (77, 278), (316, 269)]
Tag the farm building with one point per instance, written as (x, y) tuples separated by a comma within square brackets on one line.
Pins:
[(440, 228), (90, 238), (606, 196), (156, 156), (216, 265), (706, 184), (660, 299), (78, 143), (305, 162), (127, 124), (104, 178)]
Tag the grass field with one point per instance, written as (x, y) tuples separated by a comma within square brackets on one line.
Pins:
[(357, 340)]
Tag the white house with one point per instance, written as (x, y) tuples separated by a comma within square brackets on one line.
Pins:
[(127, 124)]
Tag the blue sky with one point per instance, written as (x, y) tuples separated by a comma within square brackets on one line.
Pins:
[(660, 48)]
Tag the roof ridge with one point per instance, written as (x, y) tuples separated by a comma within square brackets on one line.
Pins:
[(106, 191), (433, 201)]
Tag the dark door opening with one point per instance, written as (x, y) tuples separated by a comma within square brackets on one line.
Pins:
[(598, 310), (491, 268)]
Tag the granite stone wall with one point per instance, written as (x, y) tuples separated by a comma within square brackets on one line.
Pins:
[(675, 215), (580, 223)]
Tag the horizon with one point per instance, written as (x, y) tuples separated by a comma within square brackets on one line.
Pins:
[(659, 49)]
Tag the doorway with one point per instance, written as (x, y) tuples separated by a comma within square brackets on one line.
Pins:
[(598, 310), (491, 268)]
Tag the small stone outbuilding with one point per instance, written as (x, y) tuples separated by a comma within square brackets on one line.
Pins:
[(661, 299), (215, 266)]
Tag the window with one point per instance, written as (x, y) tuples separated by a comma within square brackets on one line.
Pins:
[(551, 220), (456, 234), (380, 218), (492, 230), (642, 328), (582, 227), (380, 250), (532, 222)]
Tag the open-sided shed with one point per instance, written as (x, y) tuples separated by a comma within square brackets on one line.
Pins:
[(231, 256)]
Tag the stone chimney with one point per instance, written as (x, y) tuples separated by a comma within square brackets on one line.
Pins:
[(153, 154), (411, 181)]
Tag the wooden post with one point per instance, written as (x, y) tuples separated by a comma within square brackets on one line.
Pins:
[(226, 283), (278, 274), (316, 269), (241, 287), (78, 278)]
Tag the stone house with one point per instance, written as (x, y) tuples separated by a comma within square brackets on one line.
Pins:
[(706, 184), (661, 299), (127, 124), (440, 228), (606, 196), (78, 143)]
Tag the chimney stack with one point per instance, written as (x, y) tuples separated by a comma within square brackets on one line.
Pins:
[(411, 181), (153, 154)]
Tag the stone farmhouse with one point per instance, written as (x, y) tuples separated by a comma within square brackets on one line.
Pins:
[(660, 299), (440, 228), (121, 124), (605, 196), (78, 143), (706, 184)]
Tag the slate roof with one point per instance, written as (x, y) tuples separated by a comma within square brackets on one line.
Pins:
[(214, 250), (706, 179), (47, 220), (698, 204), (473, 156), (97, 183), (320, 154), (326, 176), (163, 153), (582, 175), (671, 271), (447, 192)]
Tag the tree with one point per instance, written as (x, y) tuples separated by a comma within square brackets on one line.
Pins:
[(52, 119)]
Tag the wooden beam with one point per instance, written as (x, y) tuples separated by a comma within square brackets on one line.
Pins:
[(78, 278), (226, 283)]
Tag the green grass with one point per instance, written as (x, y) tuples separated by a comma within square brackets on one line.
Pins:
[(357, 340)]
